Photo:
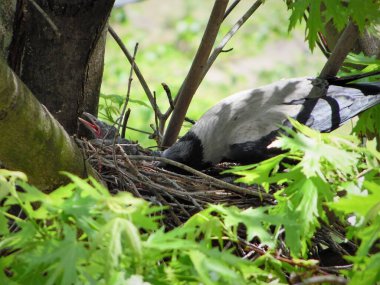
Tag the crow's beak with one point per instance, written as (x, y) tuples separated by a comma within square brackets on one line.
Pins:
[(90, 122)]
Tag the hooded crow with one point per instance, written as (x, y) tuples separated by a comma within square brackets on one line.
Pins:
[(242, 126)]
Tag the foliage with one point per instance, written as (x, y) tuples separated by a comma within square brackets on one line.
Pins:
[(339, 12), (369, 122), (80, 234), (323, 165), (366, 208)]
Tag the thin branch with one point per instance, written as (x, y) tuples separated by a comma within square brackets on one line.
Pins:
[(156, 121), (229, 35), (230, 8), (136, 69), (123, 118), (330, 279), (169, 96), (160, 118), (342, 48), (125, 121), (350, 78), (220, 48), (137, 130), (322, 44), (194, 77), (334, 62), (190, 121)]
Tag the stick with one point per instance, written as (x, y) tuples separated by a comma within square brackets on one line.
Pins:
[(194, 77), (122, 118), (234, 188), (125, 121), (342, 48), (136, 69), (230, 8), (330, 279), (229, 35)]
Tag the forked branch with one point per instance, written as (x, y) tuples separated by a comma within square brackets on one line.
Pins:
[(194, 76)]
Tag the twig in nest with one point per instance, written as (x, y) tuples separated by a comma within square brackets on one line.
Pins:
[(129, 165), (335, 269), (330, 279), (213, 180)]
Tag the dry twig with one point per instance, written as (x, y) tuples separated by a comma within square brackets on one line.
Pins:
[(135, 67), (124, 117), (330, 279)]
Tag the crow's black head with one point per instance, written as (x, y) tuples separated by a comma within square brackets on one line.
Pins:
[(188, 150)]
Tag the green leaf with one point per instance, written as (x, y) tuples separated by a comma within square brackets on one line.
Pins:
[(366, 271), (258, 173)]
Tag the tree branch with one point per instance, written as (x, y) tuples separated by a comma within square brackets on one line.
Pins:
[(229, 35), (194, 77), (342, 48), (123, 117), (32, 141), (140, 77), (230, 8)]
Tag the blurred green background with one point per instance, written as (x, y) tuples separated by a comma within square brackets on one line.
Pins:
[(169, 32)]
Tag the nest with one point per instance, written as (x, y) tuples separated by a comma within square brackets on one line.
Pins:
[(183, 195)]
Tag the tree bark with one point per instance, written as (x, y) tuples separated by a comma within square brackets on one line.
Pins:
[(57, 49), (7, 9), (32, 141), (367, 43)]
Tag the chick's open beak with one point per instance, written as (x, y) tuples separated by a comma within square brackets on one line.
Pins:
[(90, 122)]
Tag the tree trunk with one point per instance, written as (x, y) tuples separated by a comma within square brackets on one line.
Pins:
[(57, 50), (7, 9), (32, 141)]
